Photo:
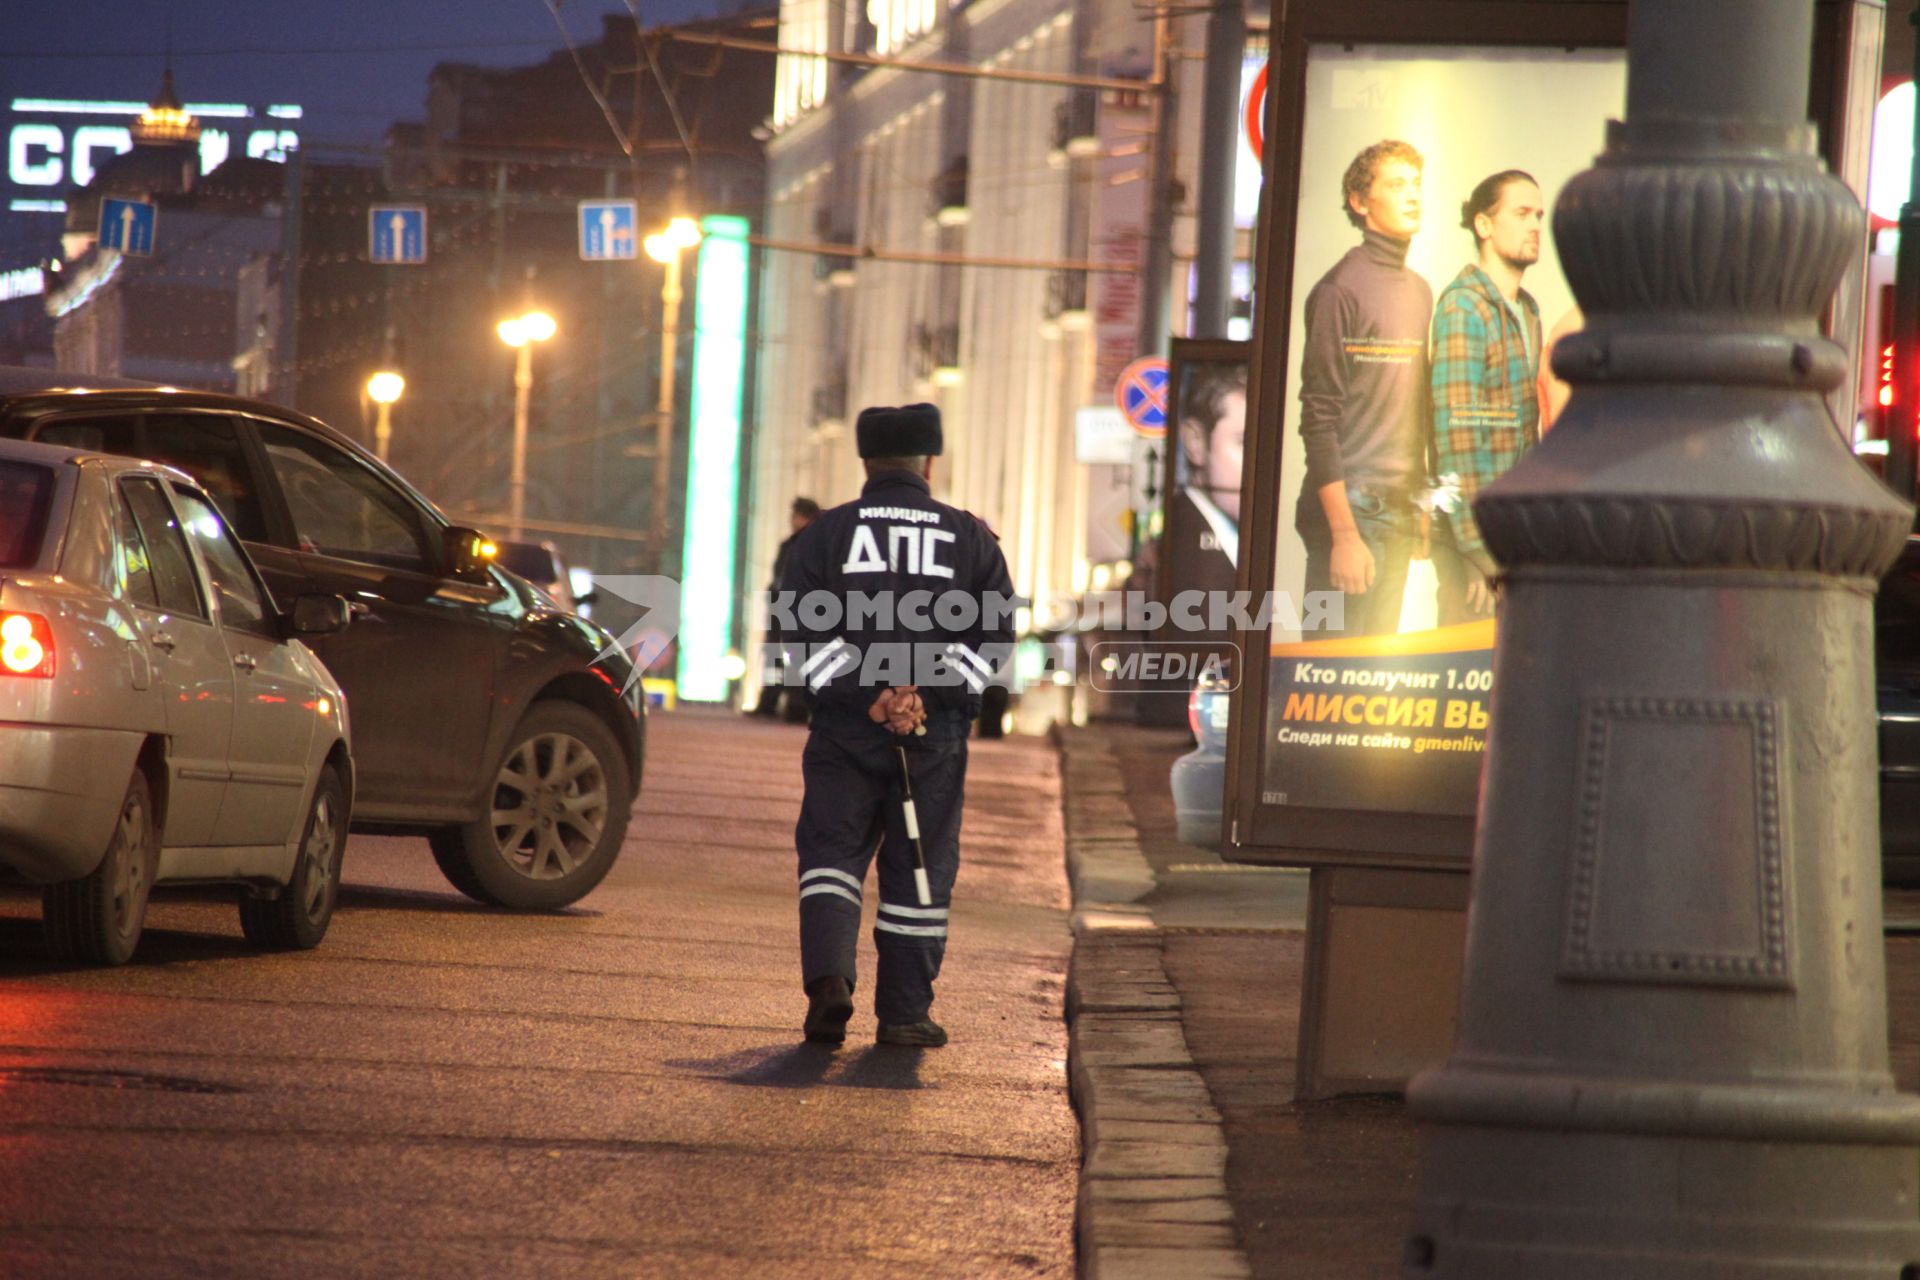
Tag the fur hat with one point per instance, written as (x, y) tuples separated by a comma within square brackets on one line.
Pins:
[(910, 431)]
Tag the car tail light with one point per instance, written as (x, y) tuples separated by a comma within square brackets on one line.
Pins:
[(26, 645)]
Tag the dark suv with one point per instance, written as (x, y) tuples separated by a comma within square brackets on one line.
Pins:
[(510, 733)]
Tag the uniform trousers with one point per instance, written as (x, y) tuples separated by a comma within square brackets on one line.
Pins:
[(852, 810)]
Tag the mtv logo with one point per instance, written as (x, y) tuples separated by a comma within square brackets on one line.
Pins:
[(1364, 89)]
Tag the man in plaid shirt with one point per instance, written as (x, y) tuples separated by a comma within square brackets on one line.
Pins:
[(1486, 362)]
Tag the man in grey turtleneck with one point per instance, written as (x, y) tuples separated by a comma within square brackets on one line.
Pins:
[(1363, 397)]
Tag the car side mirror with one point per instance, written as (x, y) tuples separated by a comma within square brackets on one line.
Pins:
[(318, 615), (469, 551)]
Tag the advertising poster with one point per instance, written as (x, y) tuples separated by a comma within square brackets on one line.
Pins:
[(1206, 442), (1426, 299)]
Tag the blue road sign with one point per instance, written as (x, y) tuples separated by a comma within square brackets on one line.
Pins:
[(608, 230), (397, 233), (128, 226), (1141, 394)]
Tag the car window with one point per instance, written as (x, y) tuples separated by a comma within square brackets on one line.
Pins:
[(340, 507), (25, 492), (206, 446), (102, 435), (136, 569), (167, 558), (244, 602)]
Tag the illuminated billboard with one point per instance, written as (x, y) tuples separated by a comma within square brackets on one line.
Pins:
[(1427, 299), (55, 144)]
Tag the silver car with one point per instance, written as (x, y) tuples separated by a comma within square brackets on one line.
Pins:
[(160, 721), (1199, 777)]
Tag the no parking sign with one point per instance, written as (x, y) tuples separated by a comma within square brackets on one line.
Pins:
[(1141, 394), (1256, 110)]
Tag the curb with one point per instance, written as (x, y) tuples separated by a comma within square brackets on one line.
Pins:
[(1153, 1192)]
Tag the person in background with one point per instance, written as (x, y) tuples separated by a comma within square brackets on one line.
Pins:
[(774, 686)]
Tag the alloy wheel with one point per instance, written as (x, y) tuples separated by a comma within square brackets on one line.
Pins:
[(318, 853), (549, 806), (130, 884)]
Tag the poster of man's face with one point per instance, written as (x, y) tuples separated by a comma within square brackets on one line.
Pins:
[(1200, 540), (1213, 433)]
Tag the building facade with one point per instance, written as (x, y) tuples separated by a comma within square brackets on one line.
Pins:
[(974, 242)]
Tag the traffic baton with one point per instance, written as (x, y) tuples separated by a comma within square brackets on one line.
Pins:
[(913, 833)]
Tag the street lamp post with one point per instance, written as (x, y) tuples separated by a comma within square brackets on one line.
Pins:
[(1672, 1052), (665, 247), (520, 333), (384, 388)]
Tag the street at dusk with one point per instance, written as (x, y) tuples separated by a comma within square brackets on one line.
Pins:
[(612, 1091), (1019, 638)]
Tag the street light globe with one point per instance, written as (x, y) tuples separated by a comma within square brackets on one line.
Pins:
[(512, 333), (385, 387), (684, 232), (665, 245), (538, 326)]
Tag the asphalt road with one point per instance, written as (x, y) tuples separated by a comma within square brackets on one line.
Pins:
[(615, 1090)]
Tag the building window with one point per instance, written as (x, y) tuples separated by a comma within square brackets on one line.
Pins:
[(800, 84), (898, 23)]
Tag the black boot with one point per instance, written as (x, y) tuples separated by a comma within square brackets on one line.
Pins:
[(925, 1034), (829, 1005)]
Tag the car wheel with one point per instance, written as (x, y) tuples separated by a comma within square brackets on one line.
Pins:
[(557, 813), (297, 917), (97, 919)]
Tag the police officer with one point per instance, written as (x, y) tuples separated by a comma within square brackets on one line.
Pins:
[(898, 613), (803, 513)]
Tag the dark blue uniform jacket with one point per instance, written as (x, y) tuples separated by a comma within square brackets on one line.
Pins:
[(895, 588)]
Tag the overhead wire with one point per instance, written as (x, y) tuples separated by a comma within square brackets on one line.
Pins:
[(606, 108), (666, 90)]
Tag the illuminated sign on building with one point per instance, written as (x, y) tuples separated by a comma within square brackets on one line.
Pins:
[(713, 459), (25, 282), (1890, 171), (57, 143)]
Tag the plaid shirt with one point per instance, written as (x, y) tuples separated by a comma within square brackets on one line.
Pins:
[(1486, 408)]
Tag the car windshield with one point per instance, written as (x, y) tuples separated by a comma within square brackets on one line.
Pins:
[(25, 493)]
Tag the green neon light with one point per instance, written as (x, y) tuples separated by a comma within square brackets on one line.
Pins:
[(713, 459)]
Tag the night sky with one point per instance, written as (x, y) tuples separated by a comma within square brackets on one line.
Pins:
[(356, 66)]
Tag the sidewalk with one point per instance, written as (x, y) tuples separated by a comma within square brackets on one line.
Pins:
[(1183, 1005)]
